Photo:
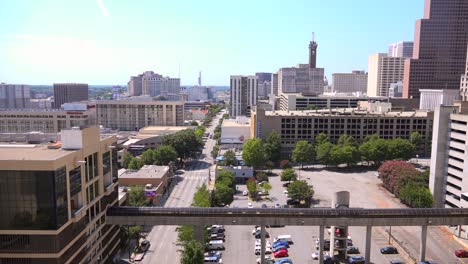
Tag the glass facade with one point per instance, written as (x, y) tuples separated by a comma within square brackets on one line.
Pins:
[(33, 199)]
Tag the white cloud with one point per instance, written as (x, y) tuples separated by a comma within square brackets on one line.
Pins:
[(103, 8)]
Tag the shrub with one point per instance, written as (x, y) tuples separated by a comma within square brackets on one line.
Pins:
[(284, 164), (394, 173)]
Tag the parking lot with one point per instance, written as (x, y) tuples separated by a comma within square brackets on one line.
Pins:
[(365, 192)]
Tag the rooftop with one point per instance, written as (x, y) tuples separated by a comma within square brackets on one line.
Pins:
[(234, 123), (347, 112), (162, 130), (147, 171), (28, 152)]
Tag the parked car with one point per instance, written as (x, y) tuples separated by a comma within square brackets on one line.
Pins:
[(144, 245), (352, 250), (258, 235), (258, 250), (461, 253), (280, 247), (249, 205), (316, 255), (255, 230), (218, 236), (213, 253), (284, 261), (212, 259), (356, 260), (396, 261), (215, 227), (258, 242), (281, 254), (281, 243), (286, 184), (389, 250), (217, 231), (286, 238), (427, 262), (330, 260), (245, 193), (268, 260), (277, 205)]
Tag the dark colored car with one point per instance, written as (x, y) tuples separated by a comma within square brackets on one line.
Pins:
[(330, 260), (281, 243), (280, 247), (145, 244), (389, 250), (258, 234), (218, 236), (264, 206), (286, 184), (352, 250), (356, 260), (461, 253), (427, 262)]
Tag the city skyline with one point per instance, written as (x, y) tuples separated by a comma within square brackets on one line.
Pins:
[(105, 42)]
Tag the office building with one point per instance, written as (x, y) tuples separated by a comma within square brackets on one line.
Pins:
[(464, 83), (354, 82), (264, 84), (293, 102), (395, 90), (132, 115), (401, 49), (42, 103), (199, 93), (154, 84), (243, 94), (54, 198), (135, 85), (44, 120), (306, 79), (274, 85), (439, 54), (306, 125), (383, 71), (235, 131), (14, 96), (69, 93), (430, 99)]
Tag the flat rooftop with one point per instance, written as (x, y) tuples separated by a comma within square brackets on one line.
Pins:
[(234, 123), (146, 172), (162, 130), (346, 112), (28, 152)]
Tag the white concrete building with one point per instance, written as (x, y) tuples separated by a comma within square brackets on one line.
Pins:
[(243, 94), (383, 71), (401, 49), (235, 131), (430, 99), (356, 81), (198, 93), (464, 83), (154, 84)]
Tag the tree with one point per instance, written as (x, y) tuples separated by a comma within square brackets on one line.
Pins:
[(324, 153), (252, 188), (416, 196), (226, 177), (269, 165), (416, 139), (223, 193), (147, 157), (394, 172), (230, 158), (127, 157), (273, 146), (267, 187), (193, 253), (185, 142), (136, 196), (303, 152), (201, 198), (349, 155), (254, 152), (288, 175), (261, 177), (346, 140), (135, 164), (311, 107), (320, 139), (400, 149), (284, 164), (194, 123), (184, 234), (215, 151), (300, 191), (164, 154)]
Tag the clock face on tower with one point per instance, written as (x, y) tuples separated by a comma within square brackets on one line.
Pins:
[(313, 52)]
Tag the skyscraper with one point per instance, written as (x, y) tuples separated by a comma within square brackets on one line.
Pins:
[(14, 96), (243, 94), (464, 83), (439, 54), (69, 92), (383, 71), (154, 84), (401, 49), (135, 85), (264, 83)]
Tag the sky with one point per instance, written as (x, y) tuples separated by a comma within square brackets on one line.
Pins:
[(107, 41)]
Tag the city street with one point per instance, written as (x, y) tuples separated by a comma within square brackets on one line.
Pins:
[(163, 239)]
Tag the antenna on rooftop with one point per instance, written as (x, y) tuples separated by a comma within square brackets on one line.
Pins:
[(179, 70), (313, 36)]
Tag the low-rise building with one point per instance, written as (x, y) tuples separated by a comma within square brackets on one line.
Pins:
[(234, 132), (293, 126), (430, 99), (54, 198), (241, 173)]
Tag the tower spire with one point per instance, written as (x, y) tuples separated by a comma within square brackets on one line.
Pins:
[(313, 52)]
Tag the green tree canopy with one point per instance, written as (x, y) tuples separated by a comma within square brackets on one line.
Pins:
[(223, 193), (303, 152), (127, 157), (320, 139), (201, 198), (261, 176), (184, 234), (324, 153), (416, 196), (266, 186), (136, 196), (400, 149), (254, 152), (230, 158), (135, 164), (164, 154), (311, 107), (185, 142), (194, 123), (346, 140), (301, 191), (416, 139), (252, 187), (193, 253), (273, 146), (226, 177), (288, 175), (147, 157)]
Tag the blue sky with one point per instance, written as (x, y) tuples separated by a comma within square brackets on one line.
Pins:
[(107, 41)]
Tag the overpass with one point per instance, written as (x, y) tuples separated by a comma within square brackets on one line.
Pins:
[(321, 217)]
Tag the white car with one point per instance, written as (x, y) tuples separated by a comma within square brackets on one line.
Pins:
[(245, 193), (285, 192), (266, 259), (316, 255), (250, 205), (258, 243), (255, 230), (258, 250), (277, 205)]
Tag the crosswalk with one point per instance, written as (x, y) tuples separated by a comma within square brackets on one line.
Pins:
[(195, 178)]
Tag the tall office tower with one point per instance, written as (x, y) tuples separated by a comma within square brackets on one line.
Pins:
[(383, 71), (69, 92), (353, 82), (264, 84), (274, 84), (439, 54), (135, 85), (401, 49), (464, 82), (243, 94), (14, 96), (154, 84), (54, 198), (198, 93)]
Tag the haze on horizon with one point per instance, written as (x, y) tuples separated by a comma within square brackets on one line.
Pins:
[(107, 41)]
